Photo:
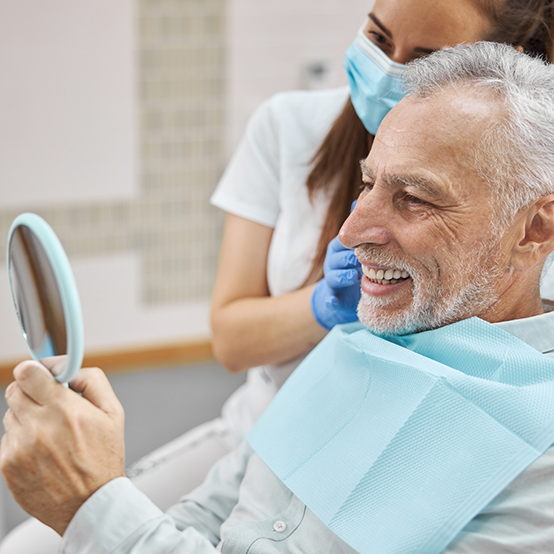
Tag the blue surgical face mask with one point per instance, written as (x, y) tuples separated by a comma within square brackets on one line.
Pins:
[(375, 81)]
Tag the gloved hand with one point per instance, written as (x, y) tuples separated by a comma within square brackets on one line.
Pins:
[(336, 296)]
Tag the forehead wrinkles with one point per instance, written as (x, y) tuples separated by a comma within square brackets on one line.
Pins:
[(392, 180), (443, 131), (473, 111), (420, 137)]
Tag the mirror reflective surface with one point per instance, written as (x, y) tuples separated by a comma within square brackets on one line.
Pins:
[(44, 294), (36, 295)]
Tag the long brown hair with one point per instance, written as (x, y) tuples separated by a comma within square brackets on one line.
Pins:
[(335, 166)]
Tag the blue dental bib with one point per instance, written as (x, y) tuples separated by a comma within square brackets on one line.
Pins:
[(395, 444)]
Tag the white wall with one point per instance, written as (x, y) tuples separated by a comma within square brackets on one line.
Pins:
[(67, 101), (271, 43)]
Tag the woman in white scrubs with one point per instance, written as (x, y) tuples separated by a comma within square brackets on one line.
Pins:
[(286, 192)]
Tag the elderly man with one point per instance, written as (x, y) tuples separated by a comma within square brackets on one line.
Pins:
[(429, 429)]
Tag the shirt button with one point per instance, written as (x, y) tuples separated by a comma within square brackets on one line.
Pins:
[(279, 526)]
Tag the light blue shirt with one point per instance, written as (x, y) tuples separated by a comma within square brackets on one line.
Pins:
[(242, 507)]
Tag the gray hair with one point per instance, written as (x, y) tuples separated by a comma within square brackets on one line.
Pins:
[(515, 155)]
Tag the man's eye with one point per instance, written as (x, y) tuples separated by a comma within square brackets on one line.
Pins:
[(414, 199), (366, 187)]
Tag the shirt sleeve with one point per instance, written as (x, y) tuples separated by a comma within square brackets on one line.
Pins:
[(249, 186), (119, 519)]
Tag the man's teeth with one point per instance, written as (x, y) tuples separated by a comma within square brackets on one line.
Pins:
[(388, 276)]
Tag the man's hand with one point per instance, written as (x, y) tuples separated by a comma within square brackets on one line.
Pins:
[(60, 447)]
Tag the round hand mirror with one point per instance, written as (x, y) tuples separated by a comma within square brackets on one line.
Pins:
[(44, 294)]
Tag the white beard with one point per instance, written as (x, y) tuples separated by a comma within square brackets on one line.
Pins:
[(433, 306)]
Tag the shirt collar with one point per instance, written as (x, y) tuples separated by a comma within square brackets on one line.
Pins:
[(536, 331)]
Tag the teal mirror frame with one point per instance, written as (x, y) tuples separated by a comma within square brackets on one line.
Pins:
[(67, 287)]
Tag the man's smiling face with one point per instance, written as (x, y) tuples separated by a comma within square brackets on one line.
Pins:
[(425, 212)]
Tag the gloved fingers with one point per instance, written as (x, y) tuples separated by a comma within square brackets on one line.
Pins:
[(341, 313), (341, 260), (336, 246), (339, 256), (341, 278), (319, 306), (330, 307)]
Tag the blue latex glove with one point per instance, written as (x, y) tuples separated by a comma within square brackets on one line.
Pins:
[(336, 296)]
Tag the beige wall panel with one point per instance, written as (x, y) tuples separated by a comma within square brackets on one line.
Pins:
[(271, 44), (67, 102)]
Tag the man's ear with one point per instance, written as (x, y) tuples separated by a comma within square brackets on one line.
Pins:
[(536, 239)]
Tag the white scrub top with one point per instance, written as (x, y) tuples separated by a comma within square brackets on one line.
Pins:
[(265, 182)]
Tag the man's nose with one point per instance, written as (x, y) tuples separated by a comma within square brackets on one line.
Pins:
[(366, 224)]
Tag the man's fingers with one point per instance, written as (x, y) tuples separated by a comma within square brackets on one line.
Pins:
[(54, 364), (93, 384), (10, 421), (36, 381), (18, 401), (9, 389)]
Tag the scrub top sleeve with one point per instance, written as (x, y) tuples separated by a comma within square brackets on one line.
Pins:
[(250, 185)]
